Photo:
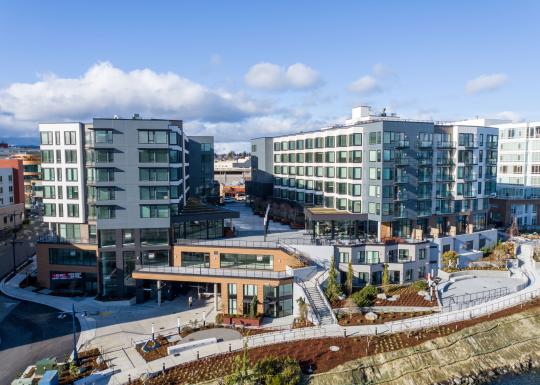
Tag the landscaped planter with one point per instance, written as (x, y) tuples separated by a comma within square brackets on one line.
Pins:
[(242, 321)]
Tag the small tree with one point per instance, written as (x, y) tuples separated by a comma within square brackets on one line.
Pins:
[(253, 307), (365, 297), (302, 309), (385, 279), (332, 289), (277, 371), (240, 374), (349, 280), (449, 259)]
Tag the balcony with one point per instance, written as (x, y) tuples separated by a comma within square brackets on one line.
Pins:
[(470, 177), (425, 144), (209, 272), (423, 213), (469, 161), (56, 239), (425, 178), (402, 144), (446, 144), (402, 213), (401, 162), (402, 179), (469, 144), (445, 162), (491, 161), (424, 195), (444, 194), (425, 162), (400, 197), (443, 210), (445, 178)]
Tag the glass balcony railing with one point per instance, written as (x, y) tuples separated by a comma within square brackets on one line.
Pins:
[(402, 179), (425, 143), (446, 144), (402, 144), (445, 178), (401, 162), (425, 178)]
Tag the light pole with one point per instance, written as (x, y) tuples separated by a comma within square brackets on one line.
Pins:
[(13, 244)]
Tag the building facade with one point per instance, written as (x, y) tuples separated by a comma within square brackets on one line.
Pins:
[(115, 194), (387, 177), (11, 194), (33, 193)]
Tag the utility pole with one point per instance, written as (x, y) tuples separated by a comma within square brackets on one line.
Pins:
[(75, 355), (13, 244)]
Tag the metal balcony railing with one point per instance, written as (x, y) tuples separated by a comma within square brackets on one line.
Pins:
[(446, 144), (425, 143), (56, 239), (221, 272), (402, 179)]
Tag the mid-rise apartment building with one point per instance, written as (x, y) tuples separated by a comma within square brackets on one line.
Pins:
[(115, 195), (386, 177), (32, 177), (11, 194)]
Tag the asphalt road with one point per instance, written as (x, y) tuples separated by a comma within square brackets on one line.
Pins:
[(30, 332), (25, 247)]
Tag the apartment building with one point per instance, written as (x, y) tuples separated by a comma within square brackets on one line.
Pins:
[(518, 180), (387, 177), (11, 194), (115, 195), (32, 177)]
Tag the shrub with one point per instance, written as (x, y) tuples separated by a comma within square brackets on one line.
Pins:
[(365, 297), (277, 371), (420, 285), (449, 259)]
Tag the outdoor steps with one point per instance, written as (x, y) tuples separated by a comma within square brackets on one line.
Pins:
[(324, 313)]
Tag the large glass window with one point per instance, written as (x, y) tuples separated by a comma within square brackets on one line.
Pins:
[(47, 174), (72, 257), (195, 259), (73, 210), (46, 137), (110, 275), (155, 257), (49, 209), (153, 137), (106, 212), (49, 192), (154, 192), (70, 137), (107, 238), (128, 238), (70, 231), (153, 174), (247, 261), (71, 156), (153, 156), (47, 156), (103, 136), (154, 237), (72, 174), (154, 211)]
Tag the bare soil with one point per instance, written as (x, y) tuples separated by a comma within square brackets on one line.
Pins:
[(360, 319), (88, 360)]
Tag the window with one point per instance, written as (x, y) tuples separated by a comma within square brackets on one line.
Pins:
[(127, 238), (71, 156), (154, 192), (355, 156), (47, 156), (47, 174), (355, 190), (103, 136), (355, 172), (72, 257), (58, 156), (57, 137), (73, 210), (107, 238), (247, 261), (355, 139), (344, 257), (49, 192), (106, 212), (71, 174), (342, 140), (105, 193), (330, 141), (195, 259), (375, 155), (70, 137), (49, 209), (154, 237), (46, 137), (250, 290), (153, 156), (59, 174), (153, 174), (154, 211), (72, 192), (342, 172), (153, 137)]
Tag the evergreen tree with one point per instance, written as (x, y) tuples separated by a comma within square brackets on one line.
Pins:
[(349, 281), (332, 287), (385, 278)]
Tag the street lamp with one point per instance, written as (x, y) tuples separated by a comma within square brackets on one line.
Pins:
[(13, 243)]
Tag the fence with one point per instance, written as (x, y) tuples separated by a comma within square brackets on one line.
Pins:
[(203, 271), (462, 301), (292, 335)]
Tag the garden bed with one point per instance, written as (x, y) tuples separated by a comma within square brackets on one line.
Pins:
[(88, 360), (155, 354), (314, 355), (408, 296), (353, 319)]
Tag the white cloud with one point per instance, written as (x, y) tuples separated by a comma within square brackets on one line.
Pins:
[(105, 90), (373, 83), (509, 115), (272, 77), (226, 147), (486, 83), (365, 85)]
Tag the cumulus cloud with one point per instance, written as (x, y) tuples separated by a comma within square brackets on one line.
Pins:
[(105, 90), (365, 85), (486, 83), (372, 83), (272, 77), (508, 115)]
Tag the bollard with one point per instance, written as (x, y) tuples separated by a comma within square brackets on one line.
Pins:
[(197, 354), (344, 332), (163, 370), (129, 379), (230, 349)]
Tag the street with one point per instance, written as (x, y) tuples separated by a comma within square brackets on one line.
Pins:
[(30, 332)]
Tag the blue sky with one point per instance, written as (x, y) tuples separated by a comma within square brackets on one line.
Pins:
[(243, 69)]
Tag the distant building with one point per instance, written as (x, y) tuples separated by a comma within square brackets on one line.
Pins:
[(232, 172), (33, 193), (11, 193)]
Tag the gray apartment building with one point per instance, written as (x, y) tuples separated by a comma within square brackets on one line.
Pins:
[(117, 194)]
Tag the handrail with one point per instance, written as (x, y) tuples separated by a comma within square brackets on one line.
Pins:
[(308, 296), (241, 273), (325, 300)]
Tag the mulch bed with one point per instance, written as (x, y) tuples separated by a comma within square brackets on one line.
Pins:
[(156, 353), (315, 354), (408, 296), (88, 360), (360, 319)]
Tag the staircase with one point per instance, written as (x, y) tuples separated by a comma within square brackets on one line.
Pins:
[(320, 307)]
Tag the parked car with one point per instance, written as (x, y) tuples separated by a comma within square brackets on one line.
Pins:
[(228, 200), (240, 197)]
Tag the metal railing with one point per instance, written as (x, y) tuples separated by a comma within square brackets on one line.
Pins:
[(301, 283), (63, 240), (220, 272), (323, 296)]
